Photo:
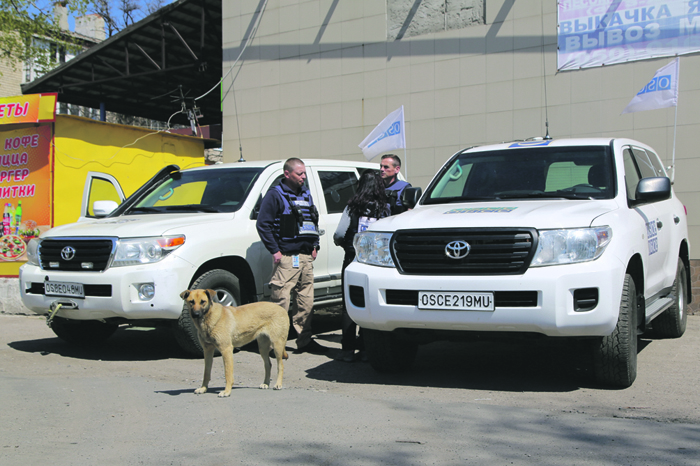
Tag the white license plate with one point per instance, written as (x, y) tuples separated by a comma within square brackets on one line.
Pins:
[(455, 300), (73, 290)]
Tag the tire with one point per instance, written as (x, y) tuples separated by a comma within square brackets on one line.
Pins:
[(672, 322), (615, 356), (387, 353), (228, 293), (82, 332)]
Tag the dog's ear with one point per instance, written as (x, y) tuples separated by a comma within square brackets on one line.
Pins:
[(185, 294), (212, 295)]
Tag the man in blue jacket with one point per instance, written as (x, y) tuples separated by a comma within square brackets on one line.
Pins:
[(389, 170), (288, 227)]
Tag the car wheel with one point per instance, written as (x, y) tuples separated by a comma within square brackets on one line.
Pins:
[(672, 322), (388, 353), (82, 332), (615, 356), (228, 293)]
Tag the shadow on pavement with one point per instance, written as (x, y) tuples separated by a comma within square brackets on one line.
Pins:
[(545, 365), (142, 343), (127, 344)]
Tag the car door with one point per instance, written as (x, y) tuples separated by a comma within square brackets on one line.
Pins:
[(656, 216), (99, 187), (334, 188)]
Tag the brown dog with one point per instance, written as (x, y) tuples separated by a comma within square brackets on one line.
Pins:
[(225, 327)]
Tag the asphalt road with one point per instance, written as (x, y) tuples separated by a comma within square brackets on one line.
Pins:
[(131, 402)]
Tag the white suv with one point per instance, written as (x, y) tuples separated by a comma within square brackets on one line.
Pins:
[(183, 229), (580, 238)]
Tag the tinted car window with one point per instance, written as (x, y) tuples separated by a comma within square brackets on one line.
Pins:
[(338, 188)]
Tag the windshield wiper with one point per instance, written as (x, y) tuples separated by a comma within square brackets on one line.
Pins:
[(143, 210), (529, 195), (454, 200), (192, 208)]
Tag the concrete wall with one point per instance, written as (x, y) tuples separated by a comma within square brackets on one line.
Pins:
[(320, 74), (10, 302)]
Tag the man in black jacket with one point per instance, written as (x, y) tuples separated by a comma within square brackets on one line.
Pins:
[(288, 227)]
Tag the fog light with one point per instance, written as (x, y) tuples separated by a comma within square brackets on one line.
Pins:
[(146, 291)]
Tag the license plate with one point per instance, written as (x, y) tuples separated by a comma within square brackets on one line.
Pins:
[(455, 300), (73, 290)]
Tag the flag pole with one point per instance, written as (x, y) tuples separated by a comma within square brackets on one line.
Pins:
[(673, 157), (675, 122), (405, 163)]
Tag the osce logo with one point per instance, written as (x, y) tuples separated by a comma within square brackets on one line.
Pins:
[(659, 83), (393, 130)]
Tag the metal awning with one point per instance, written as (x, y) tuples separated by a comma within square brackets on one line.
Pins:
[(145, 69)]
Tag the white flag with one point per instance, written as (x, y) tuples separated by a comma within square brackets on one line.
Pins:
[(390, 134), (660, 92)]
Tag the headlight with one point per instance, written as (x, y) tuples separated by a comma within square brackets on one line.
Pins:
[(33, 252), (571, 246), (373, 248), (145, 250)]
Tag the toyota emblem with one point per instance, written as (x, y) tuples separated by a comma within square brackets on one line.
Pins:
[(68, 253), (457, 249)]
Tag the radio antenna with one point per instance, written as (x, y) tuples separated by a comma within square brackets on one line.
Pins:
[(544, 78)]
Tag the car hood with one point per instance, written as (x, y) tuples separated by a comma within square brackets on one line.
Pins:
[(506, 214), (131, 226)]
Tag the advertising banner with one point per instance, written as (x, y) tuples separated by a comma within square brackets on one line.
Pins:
[(25, 188), (604, 32), (30, 108)]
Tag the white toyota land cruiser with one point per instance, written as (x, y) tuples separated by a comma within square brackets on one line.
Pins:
[(183, 229), (580, 238)]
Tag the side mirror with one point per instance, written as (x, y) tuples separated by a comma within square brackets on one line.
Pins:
[(103, 208), (653, 189), (410, 197)]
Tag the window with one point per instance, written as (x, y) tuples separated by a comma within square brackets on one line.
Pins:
[(452, 185), (206, 190), (631, 174), (338, 188), (576, 172), (656, 163), (101, 190), (563, 175)]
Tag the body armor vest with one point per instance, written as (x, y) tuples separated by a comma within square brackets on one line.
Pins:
[(300, 216)]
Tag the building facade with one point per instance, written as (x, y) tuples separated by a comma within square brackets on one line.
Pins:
[(316, 76)]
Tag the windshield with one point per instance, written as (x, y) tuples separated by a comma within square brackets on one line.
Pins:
[(526, 173), (207, 190)]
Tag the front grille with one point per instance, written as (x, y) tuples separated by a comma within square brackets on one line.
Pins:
[(501, 298), (91, 254), (494, 251)]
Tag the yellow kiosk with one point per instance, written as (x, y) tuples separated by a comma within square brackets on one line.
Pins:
[(53, 166)]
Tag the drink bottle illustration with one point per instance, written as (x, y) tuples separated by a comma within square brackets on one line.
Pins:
[(18, 217), (6, 221), (12, 217)]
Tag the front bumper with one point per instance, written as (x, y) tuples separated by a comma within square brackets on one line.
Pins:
[(388, 297), (112, 293)]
